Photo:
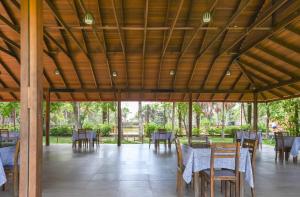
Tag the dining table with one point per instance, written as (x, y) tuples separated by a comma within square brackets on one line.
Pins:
[(156, 136), (198, 159), (6, 159), (241, 135), (90, 135), (293, 143)]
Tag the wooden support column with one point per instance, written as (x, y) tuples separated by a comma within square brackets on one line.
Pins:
[(47, 118), (119, 120), (31, 133), (190, 118), (241, 113), (255, 113), (173, 117)]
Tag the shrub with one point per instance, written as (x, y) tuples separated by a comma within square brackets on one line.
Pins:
[(150, 128), (88, 126), (64, 130), (105, 129)]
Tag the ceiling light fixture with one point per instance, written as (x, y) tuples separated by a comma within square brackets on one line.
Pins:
[(206, 17), (228, 73), (57, 72), (88, 18), (172, 72), (114, 74)]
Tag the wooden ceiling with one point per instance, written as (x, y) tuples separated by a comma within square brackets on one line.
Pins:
[(250, 46)]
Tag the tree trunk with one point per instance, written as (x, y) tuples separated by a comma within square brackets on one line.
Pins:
[(249, 112), (296, 117), (198, 121), (108, 112), (185, 127), (267, 119), (76, 111), (147, 114), (140, 120), (179, 122), (223, 119), (173, 117), (104, 114)]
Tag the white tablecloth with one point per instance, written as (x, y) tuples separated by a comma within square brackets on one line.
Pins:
[(198, 159), (241, 135), (90, 135), (162, 136), (6, 158)]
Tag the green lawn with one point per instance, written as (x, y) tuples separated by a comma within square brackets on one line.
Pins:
[(112, 140)]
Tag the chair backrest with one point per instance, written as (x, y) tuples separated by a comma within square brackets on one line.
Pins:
[(225, 151), (162, 131), (200, 141), (4, 133), (82, 132), (251, 144), (179, 154), (279, 139)]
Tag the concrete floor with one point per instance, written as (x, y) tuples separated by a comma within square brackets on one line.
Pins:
[(136, 170)]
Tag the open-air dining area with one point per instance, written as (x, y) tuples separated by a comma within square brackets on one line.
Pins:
[(149, 98)]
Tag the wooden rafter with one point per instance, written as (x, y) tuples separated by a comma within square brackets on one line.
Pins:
[(253, 19), (122, 39), (166, 43), (63, 23), (144, 42), (233, 85), (242, 5), (284, 44), (271, 65), (183, 46), (184, 50), (58, 66), (278, 56), (277, 28)]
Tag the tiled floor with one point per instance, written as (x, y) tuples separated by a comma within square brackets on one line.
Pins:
[(136, 170)]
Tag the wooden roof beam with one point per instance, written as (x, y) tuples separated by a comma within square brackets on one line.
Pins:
[(234, 84), (122, 39), (62, 22), (144, 41), (166, 43), (271, 65), (253, 19), (184, 50), (242, 5), (57, 65), (284, 44), (277, 28), (279, 56), (129, 90)]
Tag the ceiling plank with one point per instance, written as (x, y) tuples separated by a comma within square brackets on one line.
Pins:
[(284, 44)]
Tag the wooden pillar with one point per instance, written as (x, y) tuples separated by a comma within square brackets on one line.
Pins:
[(47, 118), (119, 120), (255, 113), (173, 117), (190, 118), (31, 133)]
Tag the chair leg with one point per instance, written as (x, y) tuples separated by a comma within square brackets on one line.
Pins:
[(253, 192), (276, 156), (212, 188)]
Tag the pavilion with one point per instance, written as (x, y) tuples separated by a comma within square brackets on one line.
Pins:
[(183, 50)]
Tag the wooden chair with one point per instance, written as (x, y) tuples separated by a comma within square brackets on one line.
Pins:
[(222, 151), (200, 141), (252, 146), (180, 167), (161, 132), (13, 170), (280, 148), (83, 140)]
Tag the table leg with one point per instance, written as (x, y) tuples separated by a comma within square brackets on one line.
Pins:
[(169, 143), (241, 185), (295, 160), (196, 184)]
